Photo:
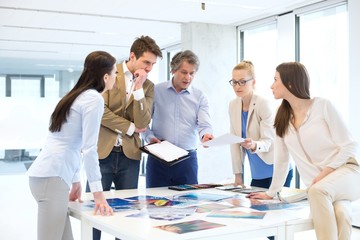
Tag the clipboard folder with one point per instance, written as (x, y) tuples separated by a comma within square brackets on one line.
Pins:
[(166, 152)]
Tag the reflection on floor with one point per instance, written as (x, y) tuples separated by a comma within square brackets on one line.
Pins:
[(18, 208)]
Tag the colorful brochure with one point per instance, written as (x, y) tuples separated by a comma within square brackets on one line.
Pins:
[(237, 214), (165, 213), (190, 226), (201, 196)]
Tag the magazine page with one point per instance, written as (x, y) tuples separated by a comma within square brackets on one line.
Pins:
[(189, 226)]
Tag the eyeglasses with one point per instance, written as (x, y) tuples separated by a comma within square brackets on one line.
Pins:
[(240, 82)]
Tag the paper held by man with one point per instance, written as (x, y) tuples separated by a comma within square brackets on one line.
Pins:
[(166, 152), (224, 139)]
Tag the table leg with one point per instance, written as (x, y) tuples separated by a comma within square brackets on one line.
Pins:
[(281, 233), (86, 230)]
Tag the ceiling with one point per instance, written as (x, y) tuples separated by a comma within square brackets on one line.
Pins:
[(48, 35)]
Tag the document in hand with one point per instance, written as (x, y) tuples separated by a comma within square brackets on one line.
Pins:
[(166, 152), (224, 139)]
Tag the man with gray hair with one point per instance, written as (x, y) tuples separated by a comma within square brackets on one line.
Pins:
[(180, 116)]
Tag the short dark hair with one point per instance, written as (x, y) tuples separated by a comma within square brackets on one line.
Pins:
[(145, 44), (182, 56)]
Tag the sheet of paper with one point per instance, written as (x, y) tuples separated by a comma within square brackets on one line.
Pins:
[(271, 217), (166, 150), (165, 213), (223, 140)]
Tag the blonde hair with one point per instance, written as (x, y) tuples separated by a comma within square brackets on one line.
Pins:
[(246, 65)]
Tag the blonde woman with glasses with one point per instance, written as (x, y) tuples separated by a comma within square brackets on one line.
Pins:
[(252, 118)]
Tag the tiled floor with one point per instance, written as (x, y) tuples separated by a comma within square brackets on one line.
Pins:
[(18, 208)]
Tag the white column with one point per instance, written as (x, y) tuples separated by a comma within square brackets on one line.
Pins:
[(215, 45)]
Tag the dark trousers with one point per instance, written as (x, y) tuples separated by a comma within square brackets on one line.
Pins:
[(159, 174), (120, 170), (266, 182)]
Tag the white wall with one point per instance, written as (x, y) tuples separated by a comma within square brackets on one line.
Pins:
[(286, 38), (354, 73), (215, 45)]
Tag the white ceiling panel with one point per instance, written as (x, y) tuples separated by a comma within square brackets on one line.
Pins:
[(41, 32)]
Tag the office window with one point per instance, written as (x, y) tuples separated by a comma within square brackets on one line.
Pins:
[(26, 103), (324, 51), (170, 54), (258, 44), (25, 87), (52, 87), (154, 74)]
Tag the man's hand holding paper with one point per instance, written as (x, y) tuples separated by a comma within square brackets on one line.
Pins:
[(224, 139)]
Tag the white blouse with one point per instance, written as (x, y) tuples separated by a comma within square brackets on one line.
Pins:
[(321, 141), (64, 151)]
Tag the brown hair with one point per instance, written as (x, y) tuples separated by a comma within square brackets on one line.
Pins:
[(145, 44), (295, 78), (96, 65)]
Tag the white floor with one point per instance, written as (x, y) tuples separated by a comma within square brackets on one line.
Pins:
[(18, 211)]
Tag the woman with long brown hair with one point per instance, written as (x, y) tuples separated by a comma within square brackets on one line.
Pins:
[(74, 129), (313, 133)]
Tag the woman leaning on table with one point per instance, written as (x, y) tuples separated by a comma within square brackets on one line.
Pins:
[(73, 136), (312, 132), (251, 118)]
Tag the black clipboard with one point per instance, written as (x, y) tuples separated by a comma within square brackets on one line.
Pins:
[(169, 163)]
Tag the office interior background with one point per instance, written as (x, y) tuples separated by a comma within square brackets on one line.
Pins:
[(44, 44)]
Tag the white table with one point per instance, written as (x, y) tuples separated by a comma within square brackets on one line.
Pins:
[(304, 223), (130, 228)]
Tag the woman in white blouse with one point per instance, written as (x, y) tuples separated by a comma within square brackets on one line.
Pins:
[(313, 133), (74, 129)]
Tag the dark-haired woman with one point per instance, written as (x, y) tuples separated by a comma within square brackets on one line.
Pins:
[(313, 133), (73, 136)]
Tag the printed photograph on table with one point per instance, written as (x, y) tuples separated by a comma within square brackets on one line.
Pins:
[(164, 213), (240, 189), (275, 206), (260, 205), (211, 207), (152, 201), (184, 187), (190, 226), (117, 204), (237, 214), (229, 187), (242, 201), (201, 196)]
